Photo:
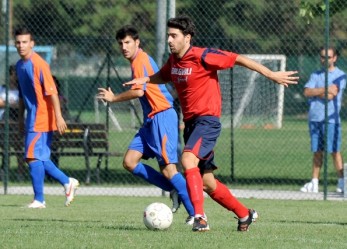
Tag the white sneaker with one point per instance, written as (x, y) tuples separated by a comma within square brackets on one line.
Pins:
[(309, 188), (70, 190), (37, 204), (340, 186), (190, 220)]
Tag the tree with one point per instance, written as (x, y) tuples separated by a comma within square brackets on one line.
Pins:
[(310, 9), (86, 24)]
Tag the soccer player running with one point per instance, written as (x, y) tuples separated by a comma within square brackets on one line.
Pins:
[(193, 71), (38, 94), (158, 135)]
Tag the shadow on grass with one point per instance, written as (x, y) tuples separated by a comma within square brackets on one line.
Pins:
[(113, 227), (312, 222), (124, 227), (55, 220)]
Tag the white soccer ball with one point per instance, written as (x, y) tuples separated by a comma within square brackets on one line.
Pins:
[(157, 216)]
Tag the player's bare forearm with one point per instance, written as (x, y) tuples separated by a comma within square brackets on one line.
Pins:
[(320, 92), (60, 122), (313, 92), (107, 95), (330, 96), (153, 79), (280, 77)]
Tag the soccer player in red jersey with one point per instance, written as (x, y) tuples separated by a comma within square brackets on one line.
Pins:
[(193, 70), (37, 91)]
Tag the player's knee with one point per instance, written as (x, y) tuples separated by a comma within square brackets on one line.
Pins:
[(169, 170), (209, 183), (189, 160), (129, 165)]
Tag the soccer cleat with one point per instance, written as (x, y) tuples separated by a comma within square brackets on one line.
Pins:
[(190, 220), (200, 224), (340, 186), (70, 190), (243, 226), (176, 202), (37, 204), (309, 188)]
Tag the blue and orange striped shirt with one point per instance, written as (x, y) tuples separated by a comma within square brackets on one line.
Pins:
[(156, 97), (35, 85)]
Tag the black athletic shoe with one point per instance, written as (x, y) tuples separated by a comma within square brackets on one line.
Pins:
[(200, 225), (244, 225)]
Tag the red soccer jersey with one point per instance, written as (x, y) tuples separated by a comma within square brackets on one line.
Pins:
[(196, 80)]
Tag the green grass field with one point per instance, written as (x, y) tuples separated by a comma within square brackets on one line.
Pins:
[(116, 222)]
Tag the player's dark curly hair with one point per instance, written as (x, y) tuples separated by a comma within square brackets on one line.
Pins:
[(183, 23), (127, 30)]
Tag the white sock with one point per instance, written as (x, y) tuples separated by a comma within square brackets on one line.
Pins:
[(314, 181), (244, 218)]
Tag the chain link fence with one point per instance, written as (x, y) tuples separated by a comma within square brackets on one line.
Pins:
[(265, 143)]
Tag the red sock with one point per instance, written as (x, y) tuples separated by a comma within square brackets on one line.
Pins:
[(195, 190), (223, 196)]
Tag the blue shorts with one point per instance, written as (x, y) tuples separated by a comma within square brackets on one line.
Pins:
[(317, 131), (200, 137), (158, 138), (37, 145)]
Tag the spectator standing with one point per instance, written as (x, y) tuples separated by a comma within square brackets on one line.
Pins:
[(315, 92)]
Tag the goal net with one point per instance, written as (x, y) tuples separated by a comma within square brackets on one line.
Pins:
[(255, 100)]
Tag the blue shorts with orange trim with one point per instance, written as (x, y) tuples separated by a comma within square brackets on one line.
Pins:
[(158, 138), (37, 145), (200, 137)]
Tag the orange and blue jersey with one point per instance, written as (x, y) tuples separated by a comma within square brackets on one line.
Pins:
[(195, 77), (156, 98), (158, 135), (35, 86)]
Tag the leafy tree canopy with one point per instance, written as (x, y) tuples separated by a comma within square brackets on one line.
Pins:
[(309, 9)]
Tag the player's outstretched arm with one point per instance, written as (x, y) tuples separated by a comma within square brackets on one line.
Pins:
[(280, 77), (153, 79), (107, 95)]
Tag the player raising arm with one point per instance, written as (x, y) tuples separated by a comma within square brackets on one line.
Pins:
[(284, 78), (193, 70)]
